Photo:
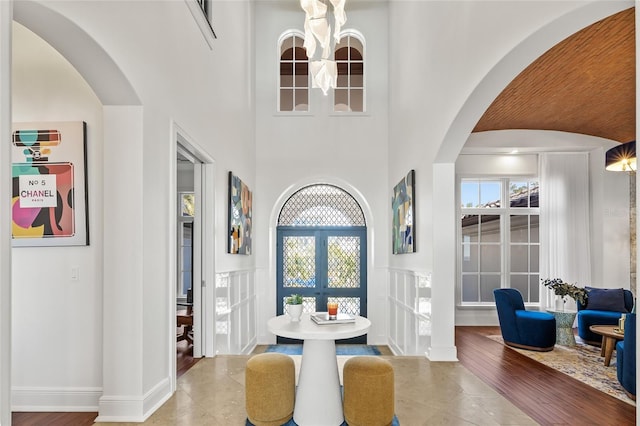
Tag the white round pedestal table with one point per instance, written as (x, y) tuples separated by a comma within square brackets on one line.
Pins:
[(318, 396)]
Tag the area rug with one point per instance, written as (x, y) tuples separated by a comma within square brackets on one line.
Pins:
[(351, 350), (582, 362)]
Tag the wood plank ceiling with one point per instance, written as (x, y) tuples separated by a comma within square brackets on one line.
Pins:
[(585, 84)]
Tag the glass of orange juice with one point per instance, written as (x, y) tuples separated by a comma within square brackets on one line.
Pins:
[(332, 308)]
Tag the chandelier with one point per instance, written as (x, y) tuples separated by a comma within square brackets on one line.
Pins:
[(321, 33)]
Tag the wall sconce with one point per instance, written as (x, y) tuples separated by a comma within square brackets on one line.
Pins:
[(621, 158)]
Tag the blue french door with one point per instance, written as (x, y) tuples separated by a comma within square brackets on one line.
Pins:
[(323, 264)]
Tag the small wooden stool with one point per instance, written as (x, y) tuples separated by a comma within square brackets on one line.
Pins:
[(368, 391), (270, 385)]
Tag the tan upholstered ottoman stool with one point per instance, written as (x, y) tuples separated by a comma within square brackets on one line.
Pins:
[(368, 391), (270, 385)]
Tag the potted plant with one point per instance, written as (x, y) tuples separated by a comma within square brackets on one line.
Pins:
[(294, 306), (562, 290)]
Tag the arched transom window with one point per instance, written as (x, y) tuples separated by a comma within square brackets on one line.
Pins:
[(349, 93), (294, 74), (321, 205)]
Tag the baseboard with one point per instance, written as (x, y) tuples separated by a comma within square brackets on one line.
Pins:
[(31, 399), (115, 408), (442, 353)]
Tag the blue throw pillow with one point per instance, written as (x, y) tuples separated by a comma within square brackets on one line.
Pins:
[(605, 299)]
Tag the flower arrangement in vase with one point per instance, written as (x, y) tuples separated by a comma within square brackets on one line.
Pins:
[(563, 289), (294, 306)]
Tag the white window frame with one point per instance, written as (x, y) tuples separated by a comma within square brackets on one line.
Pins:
[(180, 295), (357, 35), (505, 211), (202, 20), (283, 37)]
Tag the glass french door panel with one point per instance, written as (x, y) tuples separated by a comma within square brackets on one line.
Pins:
[(470, 288), (519, 228), (343, 262), (519, 258), (487, 284), (470, 228), (534, 283), (299, 262), (521, 283), (470, 258), (346, 305), (534, 259), (308, 305), (490, 258), (490, 228), (535, 228)]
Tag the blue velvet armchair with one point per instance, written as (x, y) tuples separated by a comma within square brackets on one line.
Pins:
[(520, 328), (606, 313), (626, 357)]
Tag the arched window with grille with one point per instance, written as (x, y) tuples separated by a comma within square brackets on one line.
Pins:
[(349, 95), (293, 90), (322, 251)]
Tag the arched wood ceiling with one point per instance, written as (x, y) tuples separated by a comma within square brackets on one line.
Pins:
[(585, 84)]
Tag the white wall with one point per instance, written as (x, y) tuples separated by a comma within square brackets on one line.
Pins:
[(57, 322), (349, 151), (177, 79)]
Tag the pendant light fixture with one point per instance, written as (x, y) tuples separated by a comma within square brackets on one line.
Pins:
[(321, 33), (621, 158)]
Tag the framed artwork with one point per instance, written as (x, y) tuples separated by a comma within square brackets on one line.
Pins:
[(49, 198), (240, 204), (403, 206)]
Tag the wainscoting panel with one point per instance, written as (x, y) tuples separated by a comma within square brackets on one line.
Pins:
[(409, 312), (235, 312)]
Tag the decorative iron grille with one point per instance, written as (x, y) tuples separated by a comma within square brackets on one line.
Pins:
[(344, 262), (347, 305), (308, 305), (321, 205), (299, 262)]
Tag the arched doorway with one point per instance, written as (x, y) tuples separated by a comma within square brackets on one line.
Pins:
[(322, 251)]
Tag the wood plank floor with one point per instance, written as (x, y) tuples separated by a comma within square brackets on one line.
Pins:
[(549, 397)]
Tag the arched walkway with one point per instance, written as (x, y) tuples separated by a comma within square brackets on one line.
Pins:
[(444, 223)]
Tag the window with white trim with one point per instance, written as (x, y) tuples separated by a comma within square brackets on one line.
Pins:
[(349, 95), (185, 243), (499, 238), (293, 90)]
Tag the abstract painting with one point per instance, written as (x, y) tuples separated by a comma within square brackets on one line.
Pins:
[(403, 207), (49, 195), (240, 200)]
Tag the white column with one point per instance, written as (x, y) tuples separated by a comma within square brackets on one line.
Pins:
[(443, 285), (122, 397), (6, 18)]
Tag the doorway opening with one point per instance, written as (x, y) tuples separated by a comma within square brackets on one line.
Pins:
[(192, 277), (185, 263), (322, 252)]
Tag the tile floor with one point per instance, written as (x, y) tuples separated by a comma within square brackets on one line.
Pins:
[(443, 393)]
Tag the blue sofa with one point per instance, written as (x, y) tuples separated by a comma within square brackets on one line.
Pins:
[(605, 308), (520, 328), (626, 357)]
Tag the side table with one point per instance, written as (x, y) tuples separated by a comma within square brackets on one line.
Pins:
[(610, 335), (564, 327)]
